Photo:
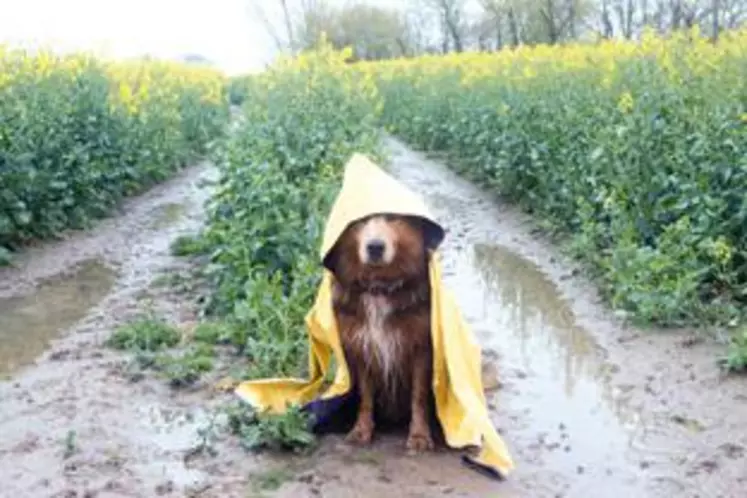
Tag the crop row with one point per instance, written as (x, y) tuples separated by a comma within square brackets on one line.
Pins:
[(637, 150), (78, 134)]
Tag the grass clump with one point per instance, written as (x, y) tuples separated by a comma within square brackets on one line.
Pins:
[(187, 245), (145, 334), (736, 355), (186, 368), (278, 432)]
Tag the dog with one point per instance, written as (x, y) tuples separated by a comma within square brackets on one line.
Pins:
[(381, 301)]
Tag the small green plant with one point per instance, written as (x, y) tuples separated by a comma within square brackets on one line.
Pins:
[(213, 332), (145, 334), (287, 431), (736, 355), (5, 256), (270, 479), (70, 444), (184, 369), (187, 245), (206, 437)]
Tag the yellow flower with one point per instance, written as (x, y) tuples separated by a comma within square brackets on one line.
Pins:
[(721, 250), (625, 103), (529, 72)]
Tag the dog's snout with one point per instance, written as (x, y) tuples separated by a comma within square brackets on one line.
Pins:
[(375, 250)]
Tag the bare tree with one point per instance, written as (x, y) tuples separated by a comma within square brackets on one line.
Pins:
[(492, 20), (513, 26), (288, 23), (503, 15), (423, 30), (734, 12), (445, 25), (259, 13), (451, 15), (550, 17), (372, 32), (281, 19), (625, 11), (561, 18), (572, 19), (607, 29)]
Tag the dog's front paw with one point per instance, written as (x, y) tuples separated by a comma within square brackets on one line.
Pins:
[(418, 442), (361, 434)]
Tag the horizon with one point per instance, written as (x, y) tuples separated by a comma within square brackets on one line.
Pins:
[(221, 31), (226, 32)]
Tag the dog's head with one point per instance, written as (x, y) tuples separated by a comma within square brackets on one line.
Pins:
[(380, 248)]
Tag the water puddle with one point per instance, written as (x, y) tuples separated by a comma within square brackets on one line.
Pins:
[(28, 323), (569, 416), (167, 214)]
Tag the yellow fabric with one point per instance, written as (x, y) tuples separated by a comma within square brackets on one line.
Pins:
[(457, 381)]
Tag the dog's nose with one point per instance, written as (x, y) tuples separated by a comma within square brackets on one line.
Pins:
[(375, 250)]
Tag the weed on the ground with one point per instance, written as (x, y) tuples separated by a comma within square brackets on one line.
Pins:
[(152, 340), (145, 334), (5, 257), (736, 355), (279, 432), (206, 438), (187, 245), (270, 479), (186, 368), (70, 444)]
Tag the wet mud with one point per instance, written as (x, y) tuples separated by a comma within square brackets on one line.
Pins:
[(589, 405), (70, 424), (29, 322)]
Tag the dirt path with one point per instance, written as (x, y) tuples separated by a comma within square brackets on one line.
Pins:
[(123, 439), (589, 406)]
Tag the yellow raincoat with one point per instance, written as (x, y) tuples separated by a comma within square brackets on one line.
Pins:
[(457, 382)]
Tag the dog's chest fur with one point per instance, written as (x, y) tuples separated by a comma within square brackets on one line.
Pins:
[(378, 337), (382, 335)]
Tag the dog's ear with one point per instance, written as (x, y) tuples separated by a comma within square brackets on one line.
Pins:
[(433, 235), (421, 226), (332, 261)]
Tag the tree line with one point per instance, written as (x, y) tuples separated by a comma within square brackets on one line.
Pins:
[(441, 26)]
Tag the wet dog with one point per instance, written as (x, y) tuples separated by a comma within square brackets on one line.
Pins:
[(381, 300)]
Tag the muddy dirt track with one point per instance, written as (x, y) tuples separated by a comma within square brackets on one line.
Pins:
[(589, 406)]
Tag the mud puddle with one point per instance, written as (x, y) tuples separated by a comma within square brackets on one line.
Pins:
[(72, 424), (588, 405), (562, 409), (167, 214), (28, 323)]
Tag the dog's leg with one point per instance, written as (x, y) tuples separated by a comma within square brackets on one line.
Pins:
[(362, 431), (419, 438)]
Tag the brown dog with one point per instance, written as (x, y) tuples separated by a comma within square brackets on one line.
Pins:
[(381, 299)]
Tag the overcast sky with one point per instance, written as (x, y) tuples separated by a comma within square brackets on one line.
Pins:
[(222, 30), (225, 31)]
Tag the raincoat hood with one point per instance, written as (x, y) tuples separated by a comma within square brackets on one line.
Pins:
[(461, 407), (368, 190)]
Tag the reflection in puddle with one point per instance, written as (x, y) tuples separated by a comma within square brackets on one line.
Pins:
[(561, 385), (167, 214), (534, 312), (28, 323)]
